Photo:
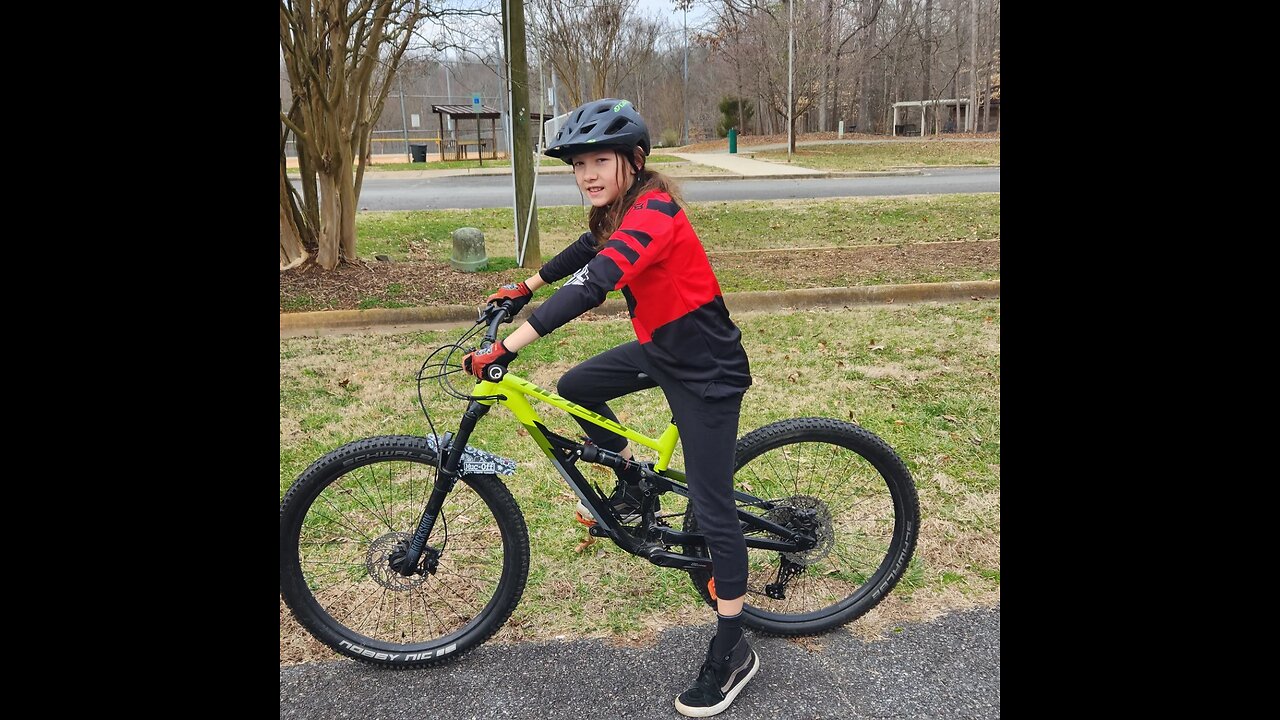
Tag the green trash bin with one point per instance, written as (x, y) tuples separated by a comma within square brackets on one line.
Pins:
[(419, 153), (733, 140)]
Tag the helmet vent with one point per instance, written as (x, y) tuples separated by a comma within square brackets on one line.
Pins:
[(617, 125)]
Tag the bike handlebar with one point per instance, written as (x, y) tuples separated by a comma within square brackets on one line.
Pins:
[(494, 315)]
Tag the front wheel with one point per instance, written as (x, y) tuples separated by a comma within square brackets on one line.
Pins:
[(849, 489), (344, 525)]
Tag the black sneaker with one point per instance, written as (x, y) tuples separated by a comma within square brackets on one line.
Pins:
[(719, 681), (625, 501)]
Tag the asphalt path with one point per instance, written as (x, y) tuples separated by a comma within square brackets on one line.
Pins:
[(489, 191), (946, 668)]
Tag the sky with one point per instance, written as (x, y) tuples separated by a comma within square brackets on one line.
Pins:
[(668, 9)]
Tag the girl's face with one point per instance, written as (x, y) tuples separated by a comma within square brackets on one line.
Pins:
[(602, 176)]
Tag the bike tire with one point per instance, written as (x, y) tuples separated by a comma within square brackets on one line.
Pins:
[(339, 523), (873, 513)]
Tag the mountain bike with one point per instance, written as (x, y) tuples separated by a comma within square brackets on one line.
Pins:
[(408, 551)]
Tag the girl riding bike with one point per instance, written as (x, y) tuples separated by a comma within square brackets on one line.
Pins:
[(641, 243)]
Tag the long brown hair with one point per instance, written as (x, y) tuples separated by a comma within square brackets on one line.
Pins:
[(604, 221)]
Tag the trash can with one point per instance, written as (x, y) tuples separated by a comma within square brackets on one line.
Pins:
[(419, 153), (733, 140)]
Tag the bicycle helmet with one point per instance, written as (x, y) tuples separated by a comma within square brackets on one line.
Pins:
[(597, 125)]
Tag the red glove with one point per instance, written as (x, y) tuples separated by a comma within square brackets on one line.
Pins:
[(518, 293), (477, 362)]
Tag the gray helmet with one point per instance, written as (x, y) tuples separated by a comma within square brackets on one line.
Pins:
[(600, 124)]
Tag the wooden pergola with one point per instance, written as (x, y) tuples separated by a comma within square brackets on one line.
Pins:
[(457, 112)]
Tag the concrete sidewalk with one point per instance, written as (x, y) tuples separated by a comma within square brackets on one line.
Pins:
[(748, 167)]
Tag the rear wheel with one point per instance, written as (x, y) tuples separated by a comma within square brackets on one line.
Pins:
[(848, 488), (344, 525)]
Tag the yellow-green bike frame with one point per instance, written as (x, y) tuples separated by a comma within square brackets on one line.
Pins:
[(514, 389), (651, 540)]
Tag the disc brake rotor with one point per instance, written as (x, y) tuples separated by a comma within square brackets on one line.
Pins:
[(378, 563), (807, 514)]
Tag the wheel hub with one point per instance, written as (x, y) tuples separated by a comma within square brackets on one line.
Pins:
[(386, 556)]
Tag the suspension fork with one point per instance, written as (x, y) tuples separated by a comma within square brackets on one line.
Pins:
[(445, 480)]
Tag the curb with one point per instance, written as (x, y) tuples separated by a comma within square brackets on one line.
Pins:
[(334, 322)]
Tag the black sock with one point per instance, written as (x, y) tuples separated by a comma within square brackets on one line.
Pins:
[(728, 633)]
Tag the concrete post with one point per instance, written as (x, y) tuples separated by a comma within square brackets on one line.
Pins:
[(468, 250)]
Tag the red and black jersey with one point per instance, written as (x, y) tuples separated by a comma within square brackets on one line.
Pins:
[(674, 299)]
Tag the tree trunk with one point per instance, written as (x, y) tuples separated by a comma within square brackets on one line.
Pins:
[(293, 247), (957, 85), (826, 68), (865, 123), (926, 92), (292, 250), (337, 213), (986, 95), (971, 117)]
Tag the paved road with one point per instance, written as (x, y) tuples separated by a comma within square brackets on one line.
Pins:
[(488, 191), (948, 668)]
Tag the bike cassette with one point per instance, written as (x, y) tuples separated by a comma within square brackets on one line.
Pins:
[(811, 516)]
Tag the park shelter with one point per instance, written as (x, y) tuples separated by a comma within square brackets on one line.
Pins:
[(965, 104), (467, 112)]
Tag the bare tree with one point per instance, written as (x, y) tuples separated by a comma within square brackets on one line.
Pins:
[(760, 37), (331, 49), (594, 45)]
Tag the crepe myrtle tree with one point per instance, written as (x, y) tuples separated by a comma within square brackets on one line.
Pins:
[(340, 56)]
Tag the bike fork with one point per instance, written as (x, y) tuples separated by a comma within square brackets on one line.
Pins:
[(445, 481)]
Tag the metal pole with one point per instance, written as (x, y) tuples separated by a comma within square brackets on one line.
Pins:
[(791, 24), (404, 120), (555, 99), (448, 91)]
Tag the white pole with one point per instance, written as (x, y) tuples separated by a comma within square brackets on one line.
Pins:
[(404, 120), (448, 91)]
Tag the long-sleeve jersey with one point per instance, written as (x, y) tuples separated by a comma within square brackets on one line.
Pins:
[(673, 296)]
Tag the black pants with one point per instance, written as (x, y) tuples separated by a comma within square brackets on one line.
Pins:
[(708, 432)]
